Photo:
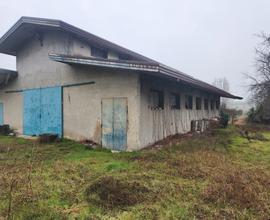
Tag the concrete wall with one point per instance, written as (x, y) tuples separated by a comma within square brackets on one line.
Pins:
[(82, 105), (158, 124), (13, 113)]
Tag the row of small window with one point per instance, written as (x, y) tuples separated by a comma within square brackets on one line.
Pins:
[(157, 101), (100, 53)]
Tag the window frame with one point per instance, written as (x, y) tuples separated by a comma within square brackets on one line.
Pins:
[(177, 97), (160, 95), (122, 56), (198, 107), (212, 104), (189, 102), (217, 104), (206, 107), (99, 53)]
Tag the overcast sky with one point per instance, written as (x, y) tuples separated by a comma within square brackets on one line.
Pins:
[(206, 39)]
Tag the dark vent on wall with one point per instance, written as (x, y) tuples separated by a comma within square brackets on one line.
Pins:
[(124, 57), (100, 53)]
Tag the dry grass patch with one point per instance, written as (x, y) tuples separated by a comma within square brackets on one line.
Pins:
[(244, 188), (111, 192), (196, 165), (16, 187)]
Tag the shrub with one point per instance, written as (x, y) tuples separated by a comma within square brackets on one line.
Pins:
[(224, 119)]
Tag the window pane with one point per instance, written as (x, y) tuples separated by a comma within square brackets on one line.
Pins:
[(189, 102), (124, 57), (198, 103), (217, 104), (206, 104), (212, 104), (175, 101), (96, 52), (157, 99)]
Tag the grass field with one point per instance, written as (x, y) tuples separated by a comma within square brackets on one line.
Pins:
[(220, 175)]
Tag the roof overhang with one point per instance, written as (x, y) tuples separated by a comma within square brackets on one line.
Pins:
[(29, 27), (147, 67), (107, 63), (6, 76)]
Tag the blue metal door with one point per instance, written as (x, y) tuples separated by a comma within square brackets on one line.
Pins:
[(120, 123), (42, 111), (107, 123), (51, 111), (114, 123), (1, 114), (31, 112)]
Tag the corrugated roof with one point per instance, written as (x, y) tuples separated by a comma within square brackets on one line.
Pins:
[(27, 27)]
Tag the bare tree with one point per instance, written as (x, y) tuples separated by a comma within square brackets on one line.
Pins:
[(260, 80)]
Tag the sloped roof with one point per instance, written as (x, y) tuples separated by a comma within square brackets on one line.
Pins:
[(27, 27), (147, 67)]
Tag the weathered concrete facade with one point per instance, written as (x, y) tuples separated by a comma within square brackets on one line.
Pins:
[(156, 124), (84, 87), (13, 110), (81, 105)]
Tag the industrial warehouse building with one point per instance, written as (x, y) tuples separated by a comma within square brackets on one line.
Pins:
[(79, 86)]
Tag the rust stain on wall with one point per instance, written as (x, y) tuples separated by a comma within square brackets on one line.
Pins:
[(97, 132)]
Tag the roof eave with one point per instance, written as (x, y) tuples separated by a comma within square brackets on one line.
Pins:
[(137, 66), (70, 29), (142, 66), (180, 76), (25, 20)]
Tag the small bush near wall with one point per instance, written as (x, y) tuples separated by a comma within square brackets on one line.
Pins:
[(5, 130), (224, 119)]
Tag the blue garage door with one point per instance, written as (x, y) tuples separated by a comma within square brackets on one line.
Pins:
[(114, 123), (43, 111), (51, 110), (1, 114), (31, 112)]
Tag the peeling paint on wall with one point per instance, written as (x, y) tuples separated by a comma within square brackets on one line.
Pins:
[(97, 132), (114, 123)]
